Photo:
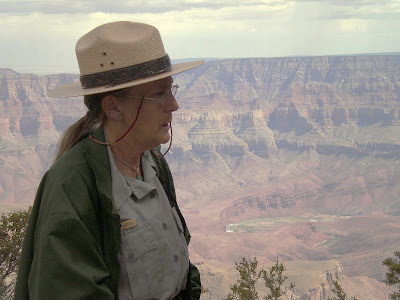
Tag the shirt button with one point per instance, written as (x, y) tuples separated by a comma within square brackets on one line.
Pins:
[(176, 257), (152, 194), (131, 256), (164, 225)]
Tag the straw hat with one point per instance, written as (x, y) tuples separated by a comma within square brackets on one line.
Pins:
[(119, 55)]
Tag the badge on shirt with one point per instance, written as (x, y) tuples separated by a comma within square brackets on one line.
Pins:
[(128, 224)]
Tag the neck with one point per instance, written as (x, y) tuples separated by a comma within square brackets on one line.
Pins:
[(128, 164), (127, 156), (136, 170)]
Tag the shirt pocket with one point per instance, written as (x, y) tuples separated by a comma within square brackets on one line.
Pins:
[(137, 241), (140, 253)]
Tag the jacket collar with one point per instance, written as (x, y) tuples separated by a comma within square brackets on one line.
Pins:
[(97, 157)]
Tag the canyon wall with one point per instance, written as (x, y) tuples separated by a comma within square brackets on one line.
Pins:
[(297, 157)]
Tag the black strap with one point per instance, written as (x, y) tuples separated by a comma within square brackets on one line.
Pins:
[(126, 74)]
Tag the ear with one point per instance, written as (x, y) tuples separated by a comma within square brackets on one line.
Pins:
[(111, 108)]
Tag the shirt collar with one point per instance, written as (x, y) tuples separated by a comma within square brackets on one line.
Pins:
[(141, 188), (123, 187)]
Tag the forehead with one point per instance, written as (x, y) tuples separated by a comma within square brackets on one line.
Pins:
[(164, 83)]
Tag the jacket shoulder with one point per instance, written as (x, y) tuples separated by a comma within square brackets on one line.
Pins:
[(72, 161), (70, 184)]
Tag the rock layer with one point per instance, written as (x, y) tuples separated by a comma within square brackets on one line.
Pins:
[(255, 139)]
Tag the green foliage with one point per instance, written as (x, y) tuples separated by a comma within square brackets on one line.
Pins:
[(393, 274), (12, 231), (339, 292), (274, 280), (245, 287)]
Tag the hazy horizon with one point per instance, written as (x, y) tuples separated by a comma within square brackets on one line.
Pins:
[(47, 70)]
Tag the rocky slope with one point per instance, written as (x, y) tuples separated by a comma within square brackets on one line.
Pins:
[(296, 157), (30, 126)]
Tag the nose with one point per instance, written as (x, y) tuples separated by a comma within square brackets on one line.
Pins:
[(171, 104)]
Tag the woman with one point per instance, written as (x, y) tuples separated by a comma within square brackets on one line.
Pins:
[(105, 222)]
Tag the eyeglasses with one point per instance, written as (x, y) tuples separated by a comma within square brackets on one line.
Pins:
[(163, 97)]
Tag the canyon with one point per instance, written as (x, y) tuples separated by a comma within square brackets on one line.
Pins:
[(295, 157)]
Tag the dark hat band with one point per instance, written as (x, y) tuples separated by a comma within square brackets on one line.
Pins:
[(126, 74)]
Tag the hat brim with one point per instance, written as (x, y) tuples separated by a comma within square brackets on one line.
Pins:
[(75, 89)]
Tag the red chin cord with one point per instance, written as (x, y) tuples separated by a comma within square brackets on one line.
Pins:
[(129, 129), (169, 147)]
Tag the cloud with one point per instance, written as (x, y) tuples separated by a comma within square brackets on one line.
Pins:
[(123, 7), (355, 9), (44, 33), (350, 3), (226, 9), (328, 9)]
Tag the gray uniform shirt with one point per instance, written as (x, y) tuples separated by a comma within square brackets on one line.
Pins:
[(153, 255)]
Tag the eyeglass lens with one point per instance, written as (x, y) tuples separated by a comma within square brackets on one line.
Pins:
[(172, 91)]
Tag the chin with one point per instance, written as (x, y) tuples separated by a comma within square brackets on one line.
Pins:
[(159, 140), (165, 139)]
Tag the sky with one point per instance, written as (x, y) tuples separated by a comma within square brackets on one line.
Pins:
[(40, 36)]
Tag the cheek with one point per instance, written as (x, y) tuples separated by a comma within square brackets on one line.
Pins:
[(148, 124), (151, 126)]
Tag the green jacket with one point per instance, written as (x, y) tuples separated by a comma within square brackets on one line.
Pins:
[(72, 239)]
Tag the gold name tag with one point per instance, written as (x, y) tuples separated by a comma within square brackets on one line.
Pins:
[(128, 224)]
